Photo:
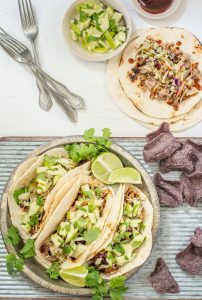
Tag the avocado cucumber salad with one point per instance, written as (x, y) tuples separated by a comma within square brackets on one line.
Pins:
[(98, 27)]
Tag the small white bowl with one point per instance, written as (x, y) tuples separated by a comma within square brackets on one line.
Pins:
[(76, 48), (174, 6)]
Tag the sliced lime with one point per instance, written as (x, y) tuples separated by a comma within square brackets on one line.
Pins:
[(75, 276), (104, 165), (125, 175)]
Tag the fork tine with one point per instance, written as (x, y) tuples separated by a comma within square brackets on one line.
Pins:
[(32, 12), (15, 42), (28, 12), (10, 46), (21, 14), (24, 13)]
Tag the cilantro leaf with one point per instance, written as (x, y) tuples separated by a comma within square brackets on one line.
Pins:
[(14, 264), (93, 147), (117, 287), (28, 250), (53, 271), (34, 219), (91, 235), (17, 193), (39, 201), (97, 283), (12, 236)]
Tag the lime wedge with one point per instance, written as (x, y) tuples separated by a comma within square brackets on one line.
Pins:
[(125, 175), (75, 276), (104, 165)]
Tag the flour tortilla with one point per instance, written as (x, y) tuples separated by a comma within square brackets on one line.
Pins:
[(151, 107), (53, 197), (181, 122), (58, 216), (143, 252)]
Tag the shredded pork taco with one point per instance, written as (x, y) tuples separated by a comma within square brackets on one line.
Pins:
[(76, 224), (35, 191)]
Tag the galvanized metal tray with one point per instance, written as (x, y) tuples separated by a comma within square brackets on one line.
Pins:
[(177, 226)]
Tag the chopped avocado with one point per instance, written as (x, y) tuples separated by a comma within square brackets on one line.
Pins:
[(137, 241), (79, 250), (82, 222), (117, 17), (128, 250), (24, 196), (71, 215), (25, 223), (93, 21), (121, 260), (110, 11), (85, 188), (136, 208), (56, 239), (33, 209), (92, 218), (103, 21), (71, 234), (64, 229)]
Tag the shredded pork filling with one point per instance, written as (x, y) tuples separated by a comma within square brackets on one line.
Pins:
[(166, 72)]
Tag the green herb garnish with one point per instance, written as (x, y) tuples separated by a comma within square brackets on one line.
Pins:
[(17, 193), (53, 271), (82, 152), (91, 235), (14, 264), (28, 250), (12, 236)]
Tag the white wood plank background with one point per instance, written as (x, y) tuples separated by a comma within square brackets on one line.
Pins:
[(19, 110)]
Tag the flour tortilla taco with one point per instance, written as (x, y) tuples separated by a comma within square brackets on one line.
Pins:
[(77, 223), (160, 72), (38, 187), (130, 241)]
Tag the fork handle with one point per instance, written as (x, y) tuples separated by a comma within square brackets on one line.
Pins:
[(75, 100), (45, 99), (59, 98)]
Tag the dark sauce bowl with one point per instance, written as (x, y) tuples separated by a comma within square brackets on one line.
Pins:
[(156, 9)]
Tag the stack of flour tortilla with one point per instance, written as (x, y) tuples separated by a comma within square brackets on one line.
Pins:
[(136, 102)]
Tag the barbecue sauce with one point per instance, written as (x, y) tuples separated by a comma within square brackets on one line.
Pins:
[(155, 6)]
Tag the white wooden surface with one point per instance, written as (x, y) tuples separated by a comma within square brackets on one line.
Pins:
[(19, 110)]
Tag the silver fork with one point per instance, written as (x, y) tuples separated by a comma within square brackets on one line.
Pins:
[(22, 54), (30, 29)]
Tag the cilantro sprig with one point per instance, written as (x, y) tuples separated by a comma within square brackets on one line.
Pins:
[(100, 288), (12, 236), (53, 271), (13, 263), (94, 146)]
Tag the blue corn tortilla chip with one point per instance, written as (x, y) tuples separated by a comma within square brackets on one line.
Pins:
[(191, 188), (164, 128), (161, 144), (161, 279), (188, 159), (189, 260), (169, 192), (196, 240)]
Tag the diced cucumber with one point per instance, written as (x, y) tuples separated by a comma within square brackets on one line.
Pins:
[(64, 229), (76, 29), (110, 11), (109, 39), (79, 250), (24, 196), (33, 209), (71, 234), (128, 250), (117, 17), (103, 21), (56, 239)]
